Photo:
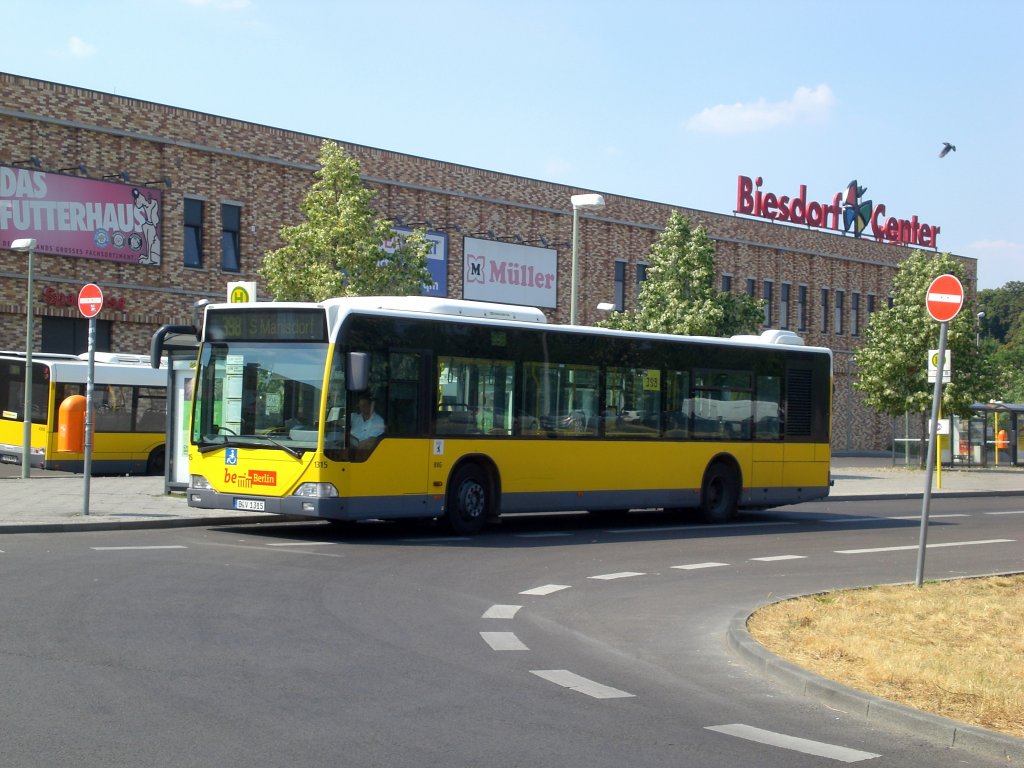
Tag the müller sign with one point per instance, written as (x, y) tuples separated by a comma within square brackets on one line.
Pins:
[(847, 212)]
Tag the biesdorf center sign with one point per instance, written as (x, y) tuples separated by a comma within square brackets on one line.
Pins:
[(847, 212)]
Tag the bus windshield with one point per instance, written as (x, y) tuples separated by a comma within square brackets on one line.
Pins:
[(259, 394)]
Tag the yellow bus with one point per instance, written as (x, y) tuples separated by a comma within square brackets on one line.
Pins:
[(488, 410), (129, 411)]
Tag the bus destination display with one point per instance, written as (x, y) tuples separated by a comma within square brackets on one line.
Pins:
[(266, 325)]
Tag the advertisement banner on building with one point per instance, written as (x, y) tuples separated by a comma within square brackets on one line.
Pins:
[(509, 273), (74, 216), (437, 259)]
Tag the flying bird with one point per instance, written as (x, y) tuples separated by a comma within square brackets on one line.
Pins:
[(946, 149)]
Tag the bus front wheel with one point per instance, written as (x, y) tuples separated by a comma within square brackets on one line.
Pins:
[(719, 495), (468, 503)]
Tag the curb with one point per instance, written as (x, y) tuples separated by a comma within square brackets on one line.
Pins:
[(920, 495), (941, 730)]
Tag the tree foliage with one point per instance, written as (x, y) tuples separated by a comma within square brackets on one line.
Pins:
[(679, 294), (892, 364), (340, 247), (1002, 331)]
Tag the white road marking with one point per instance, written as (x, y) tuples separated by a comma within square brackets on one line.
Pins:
[(115, 549), (611, 576), (808, 747), (542, 535), (695, 566), (698, 527), (567, 679), (776, 558), (503, 641), (303, 544), (929, 546), (547, 589), (501, 612), (1008, 512), (930, 517)]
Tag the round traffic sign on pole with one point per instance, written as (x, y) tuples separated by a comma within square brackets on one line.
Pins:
[(944, 298), (90, 300)]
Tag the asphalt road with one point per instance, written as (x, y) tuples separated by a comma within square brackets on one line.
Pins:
[(549, 641)]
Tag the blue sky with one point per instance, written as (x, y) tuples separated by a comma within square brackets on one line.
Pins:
[(666, 101)]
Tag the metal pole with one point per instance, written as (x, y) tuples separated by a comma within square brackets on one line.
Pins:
[(26, 435), (930, 462), (575, 263), (90, 378)]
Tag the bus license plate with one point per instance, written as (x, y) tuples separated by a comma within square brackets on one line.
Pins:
[(253, 505)]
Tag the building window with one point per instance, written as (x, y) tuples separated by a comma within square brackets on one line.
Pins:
[(752, 287), (70, 335), (231, 228), (767, 296), (801, 308), (824, 310), (641, 275), (784, 306), (726, 283), (871, 305), (840, 311), (620, 286), (193, 232), (855, 314)]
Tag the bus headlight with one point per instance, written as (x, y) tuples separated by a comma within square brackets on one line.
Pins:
[(199, 482), (317, 491)]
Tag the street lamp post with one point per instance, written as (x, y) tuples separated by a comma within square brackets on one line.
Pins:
[(27, 244), (589, 202)]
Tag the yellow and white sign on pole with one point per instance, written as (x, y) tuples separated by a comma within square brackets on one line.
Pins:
[(241, 292), (933, 366)]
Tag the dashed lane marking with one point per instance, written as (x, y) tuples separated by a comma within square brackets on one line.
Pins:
[(929, 546), (781, 740), (503, 641), (620, 575), (574, 682), (1008, 512), (501, 612), (697, 566), (547, 589), (777, 558), (700, 527), (303, 544)]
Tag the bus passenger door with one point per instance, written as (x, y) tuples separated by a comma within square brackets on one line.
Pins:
[(406, 411)]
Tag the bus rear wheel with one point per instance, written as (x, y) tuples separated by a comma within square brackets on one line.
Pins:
[(156, 461), (468, 505), (719, 495)]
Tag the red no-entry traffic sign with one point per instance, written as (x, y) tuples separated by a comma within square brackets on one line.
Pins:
[(90, 300), (945, 297)]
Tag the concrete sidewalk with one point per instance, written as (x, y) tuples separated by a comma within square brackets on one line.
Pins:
[(55, 501)]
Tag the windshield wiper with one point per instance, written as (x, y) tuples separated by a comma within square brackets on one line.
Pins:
[(242, 441)]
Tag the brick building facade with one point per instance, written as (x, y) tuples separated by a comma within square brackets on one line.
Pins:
[(244, 181)]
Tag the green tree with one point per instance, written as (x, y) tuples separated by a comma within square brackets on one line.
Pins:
[(1004, 312), (892, 365), (679, 294), (339, 249)]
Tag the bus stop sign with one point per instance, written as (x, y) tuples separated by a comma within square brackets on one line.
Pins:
[(90, 300), (945, 297)]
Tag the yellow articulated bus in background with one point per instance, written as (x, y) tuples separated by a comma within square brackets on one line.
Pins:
[(415, 407), (129, 411)]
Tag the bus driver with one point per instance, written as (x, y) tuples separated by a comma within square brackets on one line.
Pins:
[(367, 424)]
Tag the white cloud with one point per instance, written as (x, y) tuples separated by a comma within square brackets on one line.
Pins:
[(996, 245), (806, 104), (80, 49)]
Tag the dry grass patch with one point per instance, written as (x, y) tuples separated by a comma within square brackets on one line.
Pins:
[(953, 648)]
